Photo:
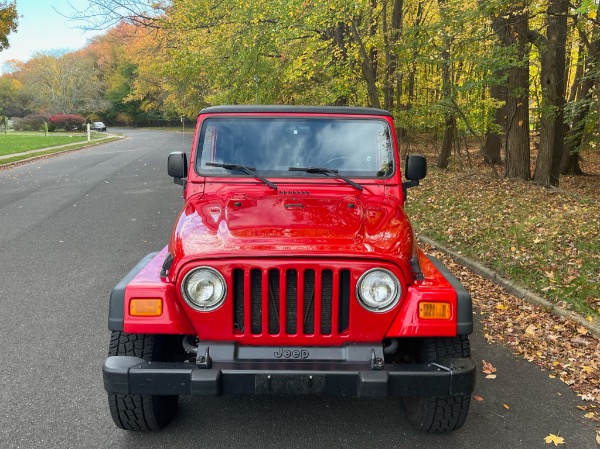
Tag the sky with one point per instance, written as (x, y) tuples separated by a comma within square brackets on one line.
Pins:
[(42, 27)]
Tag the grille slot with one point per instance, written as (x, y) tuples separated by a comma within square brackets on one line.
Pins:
[(274, 304), (344, 303), (238, 301), (293, 301), (326, 301), (309, 306), (255, 300)]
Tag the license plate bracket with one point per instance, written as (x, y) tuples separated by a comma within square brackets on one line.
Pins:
[(289, 384)]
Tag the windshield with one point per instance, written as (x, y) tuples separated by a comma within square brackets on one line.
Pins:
[(270, 146)]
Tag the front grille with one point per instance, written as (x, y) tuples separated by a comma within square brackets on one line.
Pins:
[(292, 301)]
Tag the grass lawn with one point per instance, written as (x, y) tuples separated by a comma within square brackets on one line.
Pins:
[(18, 142), (545, 240)]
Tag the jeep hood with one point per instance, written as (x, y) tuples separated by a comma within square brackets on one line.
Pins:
[(291, 226)]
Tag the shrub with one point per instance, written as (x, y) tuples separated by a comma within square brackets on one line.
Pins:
[(68, 122), (31, 123)]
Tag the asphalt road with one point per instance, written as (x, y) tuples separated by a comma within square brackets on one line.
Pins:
[(72, 226)]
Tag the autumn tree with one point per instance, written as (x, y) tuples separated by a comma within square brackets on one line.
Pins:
[(449, 68), (584, 91), (62, 83), (8, 22), (15, 100)]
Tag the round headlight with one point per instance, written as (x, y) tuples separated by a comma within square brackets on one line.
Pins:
[(204, 289), (378, 290)]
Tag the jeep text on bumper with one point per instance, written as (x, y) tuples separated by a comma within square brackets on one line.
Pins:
[(292, 269)]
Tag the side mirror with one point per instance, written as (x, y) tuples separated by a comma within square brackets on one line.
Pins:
[(177, 167), (416, 168)]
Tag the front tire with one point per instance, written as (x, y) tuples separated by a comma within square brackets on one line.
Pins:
[(439, 414), (143, 412)]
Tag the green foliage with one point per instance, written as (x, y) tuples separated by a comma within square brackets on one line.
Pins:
[(35, 122)]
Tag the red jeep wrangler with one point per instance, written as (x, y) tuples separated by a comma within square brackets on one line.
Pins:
[(292, 270)]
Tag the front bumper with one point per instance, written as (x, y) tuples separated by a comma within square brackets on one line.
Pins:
[(133, 375)]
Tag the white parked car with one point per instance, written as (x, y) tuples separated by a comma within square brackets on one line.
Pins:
[(98, 126)]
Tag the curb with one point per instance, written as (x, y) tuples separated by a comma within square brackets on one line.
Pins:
[(512, 288)]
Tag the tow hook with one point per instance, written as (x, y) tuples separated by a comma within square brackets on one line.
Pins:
[(376, 363), (204, 361)]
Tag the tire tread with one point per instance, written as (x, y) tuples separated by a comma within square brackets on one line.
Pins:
[(439, 414), (139, 412)]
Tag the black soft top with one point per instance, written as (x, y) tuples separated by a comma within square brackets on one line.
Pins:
[(237, 109)]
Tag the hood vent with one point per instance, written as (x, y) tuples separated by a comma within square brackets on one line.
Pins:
[(293, 192)]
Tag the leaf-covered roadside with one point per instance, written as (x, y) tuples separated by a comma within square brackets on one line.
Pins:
[(545, 240), (559, 345)]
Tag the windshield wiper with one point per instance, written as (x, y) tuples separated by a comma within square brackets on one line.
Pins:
[(327, 171), (246, 169)]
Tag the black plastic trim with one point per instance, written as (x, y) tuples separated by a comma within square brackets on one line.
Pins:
[(131, 375), (237, 109), (116, 307), (464, 305)]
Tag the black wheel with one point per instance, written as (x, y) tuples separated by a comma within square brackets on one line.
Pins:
[(143, 412), (434, 413)]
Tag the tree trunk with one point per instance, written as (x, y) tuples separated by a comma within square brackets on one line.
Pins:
[(397, 26), (553, 58), (449, 116), (372, 32), (413, 70), (498, 91), (368, 70), (517, 162), (339, 37), (393, 80)]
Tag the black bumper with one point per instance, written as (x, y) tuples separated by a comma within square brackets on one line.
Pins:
[(132, 375)]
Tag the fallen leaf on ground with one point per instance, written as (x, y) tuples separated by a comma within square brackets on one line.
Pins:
[(490, 376), (554, 439), (588, 369), (552, 342), (478, 398), (488, 368), (506, 406)]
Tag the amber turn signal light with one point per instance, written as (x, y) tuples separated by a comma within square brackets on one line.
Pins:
[(434, 311), (145, 307)]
